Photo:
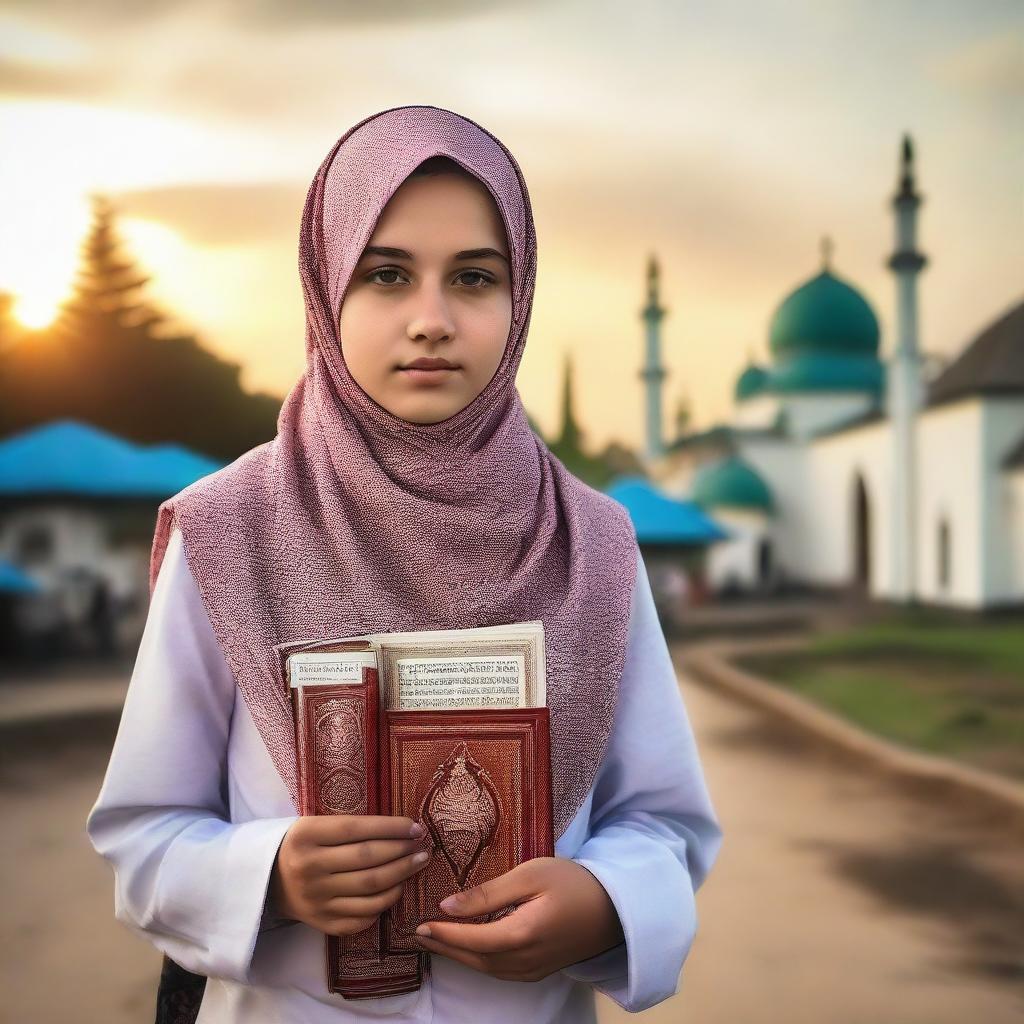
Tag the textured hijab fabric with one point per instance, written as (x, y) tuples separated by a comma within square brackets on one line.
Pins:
[(353, 520)]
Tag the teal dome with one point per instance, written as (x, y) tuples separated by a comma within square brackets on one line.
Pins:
[(813, 371), (825, 316), (750, 382), (733, 483)]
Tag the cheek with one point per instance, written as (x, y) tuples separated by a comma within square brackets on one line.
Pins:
[(499, 323), (359, 331)]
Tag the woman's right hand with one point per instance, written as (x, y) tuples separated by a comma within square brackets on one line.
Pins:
[(339, 872)]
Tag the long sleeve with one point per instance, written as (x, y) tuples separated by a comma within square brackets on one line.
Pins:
[(653, 834), (186, 878)]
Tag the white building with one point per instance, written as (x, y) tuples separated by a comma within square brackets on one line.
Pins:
[(838, 469)]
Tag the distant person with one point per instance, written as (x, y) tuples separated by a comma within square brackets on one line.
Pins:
[(101, 617), (404, 490)]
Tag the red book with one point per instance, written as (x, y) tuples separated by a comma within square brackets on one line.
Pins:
[(477, 779)]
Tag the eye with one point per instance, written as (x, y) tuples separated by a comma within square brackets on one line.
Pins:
[(484, 279), (383, 270)]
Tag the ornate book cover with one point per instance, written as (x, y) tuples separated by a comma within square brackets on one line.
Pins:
[(451, 730), (479, 782)]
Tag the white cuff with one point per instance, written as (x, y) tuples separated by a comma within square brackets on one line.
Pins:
[(658, 921)]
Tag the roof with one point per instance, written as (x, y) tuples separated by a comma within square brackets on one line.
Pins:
[(67, 457), (864, 418), (750, 382), (824, 315), (659, 519), (725, 436), (992, 364), (731, 483)]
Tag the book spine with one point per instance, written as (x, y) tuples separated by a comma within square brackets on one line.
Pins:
[(338, 773)]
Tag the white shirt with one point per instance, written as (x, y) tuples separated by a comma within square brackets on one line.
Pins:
[(192, 811)]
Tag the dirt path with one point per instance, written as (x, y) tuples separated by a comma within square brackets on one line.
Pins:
[(65, 956), (840, 897)]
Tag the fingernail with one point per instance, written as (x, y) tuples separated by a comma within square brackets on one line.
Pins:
[(448, 904), (423, 930), (417, 831), (421, 858)]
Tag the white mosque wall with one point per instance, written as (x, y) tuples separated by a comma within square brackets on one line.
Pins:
[(736, 563), (950, 486), (782, 465), (826, 553), (808, 413), (1012, 503), (1002, 509)]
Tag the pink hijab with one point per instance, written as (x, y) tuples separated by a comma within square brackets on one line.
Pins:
[(352, 520)]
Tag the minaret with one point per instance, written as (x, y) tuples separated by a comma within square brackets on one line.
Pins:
[(905, 383), (653, 373)]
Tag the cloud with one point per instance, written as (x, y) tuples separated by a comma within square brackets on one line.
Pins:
[(990, 67), (272, 14), (218, 214), (24, 78)]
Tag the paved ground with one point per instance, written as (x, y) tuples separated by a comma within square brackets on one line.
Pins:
[(835, 899), (839, 899)]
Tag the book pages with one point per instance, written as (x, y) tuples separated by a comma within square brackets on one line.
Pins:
[(445, 669)]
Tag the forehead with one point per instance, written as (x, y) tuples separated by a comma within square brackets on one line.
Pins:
[(442, 208)]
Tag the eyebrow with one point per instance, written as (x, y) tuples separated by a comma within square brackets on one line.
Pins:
[(401, 254)]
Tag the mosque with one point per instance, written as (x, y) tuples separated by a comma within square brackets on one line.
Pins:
[(841, 469)]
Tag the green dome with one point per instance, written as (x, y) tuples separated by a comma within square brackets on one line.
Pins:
[(731, 482), (813, 371), (824, 316), (750, 382)]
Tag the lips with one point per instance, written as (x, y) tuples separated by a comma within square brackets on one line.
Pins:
[(423, 363)]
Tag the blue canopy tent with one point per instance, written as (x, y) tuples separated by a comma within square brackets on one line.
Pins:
[(71, 458), (661, 520)]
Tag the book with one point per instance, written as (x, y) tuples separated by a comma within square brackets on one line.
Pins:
[(447, 727)]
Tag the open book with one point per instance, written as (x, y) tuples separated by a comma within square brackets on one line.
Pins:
[(447, 727)]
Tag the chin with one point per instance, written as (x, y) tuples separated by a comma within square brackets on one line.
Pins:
[(422, 412)]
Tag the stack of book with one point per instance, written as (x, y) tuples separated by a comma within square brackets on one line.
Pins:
[(447, 727)]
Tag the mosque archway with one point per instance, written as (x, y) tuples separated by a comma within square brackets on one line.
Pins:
[(861, 536)]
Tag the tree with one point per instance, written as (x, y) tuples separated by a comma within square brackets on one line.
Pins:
[(112, 359)]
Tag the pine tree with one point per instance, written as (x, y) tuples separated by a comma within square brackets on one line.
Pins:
[(570, 438), (112, 359)]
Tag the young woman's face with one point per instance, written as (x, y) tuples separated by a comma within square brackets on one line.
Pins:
[(433, 285)]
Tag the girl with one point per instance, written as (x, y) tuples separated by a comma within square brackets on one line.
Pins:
[(404, 490)]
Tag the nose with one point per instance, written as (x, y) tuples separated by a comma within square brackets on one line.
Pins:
[(432, 320)]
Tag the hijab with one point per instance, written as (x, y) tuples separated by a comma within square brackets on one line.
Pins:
[(353, 520)]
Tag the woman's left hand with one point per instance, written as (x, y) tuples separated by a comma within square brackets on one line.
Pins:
[(564, 916)]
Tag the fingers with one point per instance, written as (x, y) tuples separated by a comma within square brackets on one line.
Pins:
[(502, 936), (336, 829), (362, 906), (370, 853), (372, 880), (521, 883), (474, 960)]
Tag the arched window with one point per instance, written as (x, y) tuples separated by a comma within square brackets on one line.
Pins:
[(943, 550)]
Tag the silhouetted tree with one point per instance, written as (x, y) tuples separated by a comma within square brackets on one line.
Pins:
[(112, 359), (598, 471)]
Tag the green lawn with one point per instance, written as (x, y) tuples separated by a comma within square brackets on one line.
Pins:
[(942, 687)]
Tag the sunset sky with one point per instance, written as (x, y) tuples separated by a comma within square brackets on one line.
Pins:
[(726, 137)]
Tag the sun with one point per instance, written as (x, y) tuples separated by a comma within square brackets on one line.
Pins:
[(36, 311)]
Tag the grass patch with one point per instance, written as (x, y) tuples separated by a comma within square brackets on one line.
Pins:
[(954, 690)]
